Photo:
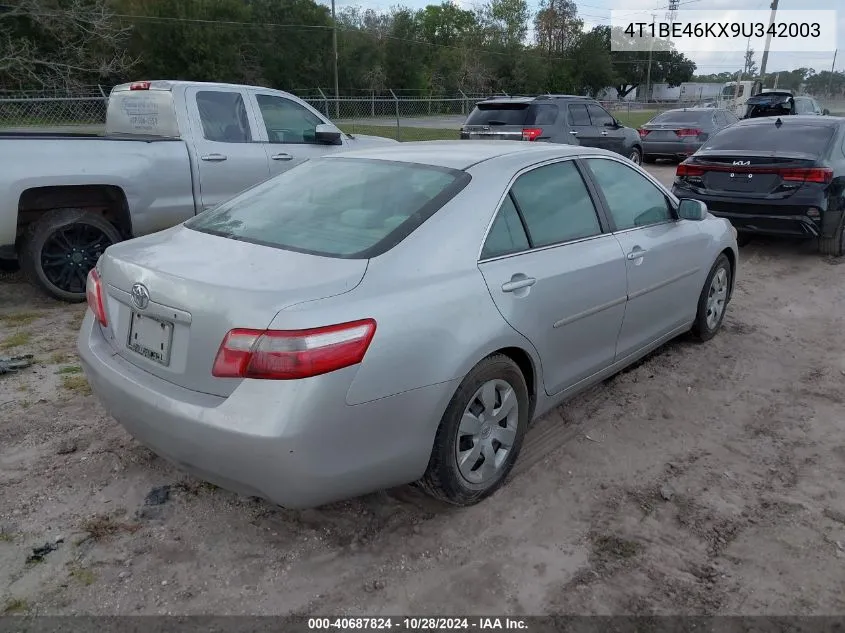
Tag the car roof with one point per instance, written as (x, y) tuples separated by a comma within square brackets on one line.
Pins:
[(795, 119), (464, 154), (530, 98)]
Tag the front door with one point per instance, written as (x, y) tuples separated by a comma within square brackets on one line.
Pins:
[(562, 284), (227, 156), (581, 128), (665, 256), (288, 131), (611, 136)]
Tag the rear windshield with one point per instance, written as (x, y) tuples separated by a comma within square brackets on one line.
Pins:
[(680, 116), (769, 105), (513, 114), (336, 207), (812, 139)]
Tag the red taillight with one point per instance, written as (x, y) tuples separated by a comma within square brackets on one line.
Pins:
[(685, 171), (531, 133), (821, 175), (643, 133), (688, 132), (94, 296), (292, 354), (140, 85)]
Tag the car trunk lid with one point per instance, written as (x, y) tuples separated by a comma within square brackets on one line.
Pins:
[(502, 121), (191, 300)]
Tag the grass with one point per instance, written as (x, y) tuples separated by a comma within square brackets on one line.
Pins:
[(16, 605), (405, 133), (58, 358), (70, 369), (7, 537), (19, 318), (17, 339), (76, 383), (101, 526), (635, 118), (83, 575)]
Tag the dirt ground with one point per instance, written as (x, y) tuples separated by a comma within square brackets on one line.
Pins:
[(709, 479)]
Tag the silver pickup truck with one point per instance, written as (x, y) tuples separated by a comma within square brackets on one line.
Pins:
[(170, 150)]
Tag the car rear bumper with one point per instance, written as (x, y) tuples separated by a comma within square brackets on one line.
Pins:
[(670, 148), (295, 443)]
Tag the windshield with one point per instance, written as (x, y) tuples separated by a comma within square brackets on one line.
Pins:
[(729, 92), (337, 207), (812, 139), (681, 116)]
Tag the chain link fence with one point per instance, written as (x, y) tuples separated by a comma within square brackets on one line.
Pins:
[(405, 118)]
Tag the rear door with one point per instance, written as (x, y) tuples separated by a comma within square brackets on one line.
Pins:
[(225, 148), (611, 137), (562, 285), (287, 131), (581, 127), (664, 255)]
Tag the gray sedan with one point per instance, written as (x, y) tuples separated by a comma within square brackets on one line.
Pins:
[(679, 133), (380, 317)]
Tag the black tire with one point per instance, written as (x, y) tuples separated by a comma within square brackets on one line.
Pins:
[(743, 238), (831, 241), (443, 479), (56, 230), (649, 159), (636, 156), (700, 329)]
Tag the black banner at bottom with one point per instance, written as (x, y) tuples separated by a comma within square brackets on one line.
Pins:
[(526, 624)]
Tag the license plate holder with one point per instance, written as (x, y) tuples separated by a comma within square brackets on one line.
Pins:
[(150, 337)]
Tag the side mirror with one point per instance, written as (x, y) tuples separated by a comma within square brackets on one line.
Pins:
[(690, 209), (327, 134)]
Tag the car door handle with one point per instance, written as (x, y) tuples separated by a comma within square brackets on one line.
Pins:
[(604, 133), (637, 253), (282, 157), (213, 158), (573, 132), (519, 282)]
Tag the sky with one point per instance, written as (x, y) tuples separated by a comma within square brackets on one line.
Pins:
[(595, 12)]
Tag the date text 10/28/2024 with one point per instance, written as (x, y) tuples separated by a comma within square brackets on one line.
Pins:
[(417, 624)]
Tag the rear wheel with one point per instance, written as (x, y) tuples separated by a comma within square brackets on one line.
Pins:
[(636, 156), (713, 300), (832, 240), (480, 434), (61, 247)]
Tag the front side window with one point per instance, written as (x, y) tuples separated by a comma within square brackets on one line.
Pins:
[(555, 204), (287, 121), (336, 207), (224, 117), (632, 200), (599, 115)]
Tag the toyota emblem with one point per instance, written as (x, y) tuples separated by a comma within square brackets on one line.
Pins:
[(140, 296)]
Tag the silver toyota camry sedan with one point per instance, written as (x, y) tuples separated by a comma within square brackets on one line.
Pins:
[(395, 315)]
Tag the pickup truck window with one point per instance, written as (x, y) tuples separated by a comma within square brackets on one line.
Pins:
[(286, 121), (224, 117)]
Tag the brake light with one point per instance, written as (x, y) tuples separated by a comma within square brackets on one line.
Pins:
[(688, 132), (140, 85), (531, 133), (292, 354), (821, 175), (689, 171), (643, 133), (94, 296)]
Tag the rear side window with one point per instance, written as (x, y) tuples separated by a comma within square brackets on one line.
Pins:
[(578, 115), (223, 115), (506, 236), (336, 207), (544, 114), (812, 139), (555, 204)]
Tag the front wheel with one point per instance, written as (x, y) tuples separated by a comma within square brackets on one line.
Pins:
[(61, 247), (713, 300), (480, 434)]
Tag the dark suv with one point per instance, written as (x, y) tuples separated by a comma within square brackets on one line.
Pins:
[(554, 119)]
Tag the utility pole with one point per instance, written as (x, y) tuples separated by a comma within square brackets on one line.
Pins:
[(334, 50), (832, 66), (768, 39), (650, 49)]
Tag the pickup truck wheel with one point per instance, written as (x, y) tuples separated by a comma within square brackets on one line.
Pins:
[(61, 247)]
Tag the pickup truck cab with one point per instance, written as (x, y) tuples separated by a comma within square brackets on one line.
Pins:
[(170, 150)]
